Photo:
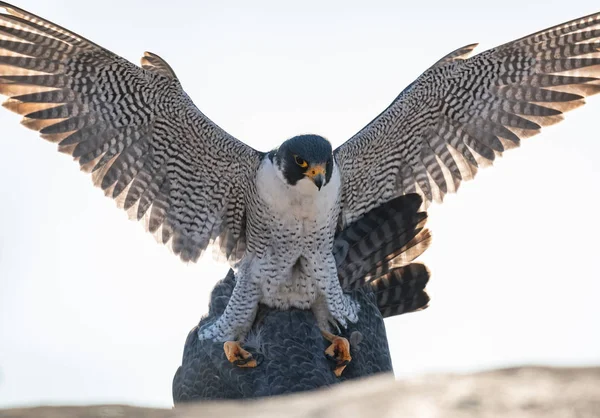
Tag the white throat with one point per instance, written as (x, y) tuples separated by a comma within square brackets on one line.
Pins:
[(300, 201)]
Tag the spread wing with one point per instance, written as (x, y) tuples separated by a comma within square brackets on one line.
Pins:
[(134, 129), (464, 112)]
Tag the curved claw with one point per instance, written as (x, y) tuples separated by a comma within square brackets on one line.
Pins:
[(237, 355), (338, 351)]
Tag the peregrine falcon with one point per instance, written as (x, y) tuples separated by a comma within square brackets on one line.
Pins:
[(274, 215), (288, 345)]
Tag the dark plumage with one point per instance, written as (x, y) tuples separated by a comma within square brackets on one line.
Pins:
[(289, 347), (162, 160), (401, 290), (311, 149), (289, 344)]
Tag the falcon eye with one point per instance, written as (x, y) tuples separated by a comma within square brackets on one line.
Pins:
[(300, 162)]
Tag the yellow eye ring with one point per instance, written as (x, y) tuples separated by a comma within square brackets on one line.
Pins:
[(300, 161)]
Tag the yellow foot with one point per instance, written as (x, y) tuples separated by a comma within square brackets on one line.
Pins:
[(338, 351), (237, 355)]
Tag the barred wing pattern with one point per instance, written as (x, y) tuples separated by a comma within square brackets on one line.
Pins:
[(464, 112), (134, 129)]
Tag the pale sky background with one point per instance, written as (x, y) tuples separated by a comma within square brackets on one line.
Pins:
[(92, 310)]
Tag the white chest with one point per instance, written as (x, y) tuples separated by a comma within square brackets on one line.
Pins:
[(300, 220), (301, 203)]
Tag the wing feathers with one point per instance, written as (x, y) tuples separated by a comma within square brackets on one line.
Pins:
[(20, 19), (460, 53), (133, 128), (466, 112), (155, 63)]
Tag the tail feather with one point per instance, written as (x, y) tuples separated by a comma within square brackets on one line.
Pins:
[(402, 290), (389, 236), (402, 257)]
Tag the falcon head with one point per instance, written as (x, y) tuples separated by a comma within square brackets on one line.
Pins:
[(305, 157)]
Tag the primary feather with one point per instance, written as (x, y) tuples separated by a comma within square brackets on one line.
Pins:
[(277, 213), (463, 112), (134, 129)]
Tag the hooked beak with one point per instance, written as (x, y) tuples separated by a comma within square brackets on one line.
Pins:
[(317, 174), (319, 179)]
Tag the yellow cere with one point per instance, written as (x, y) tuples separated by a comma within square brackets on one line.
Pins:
[(315, 170)]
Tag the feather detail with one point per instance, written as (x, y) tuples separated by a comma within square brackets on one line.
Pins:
[(133, 128), (462, 113)]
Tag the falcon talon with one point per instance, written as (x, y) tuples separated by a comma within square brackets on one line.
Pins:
[(338, 364), (276, 214), (248, 363), (330, 357), (339, 370), (237, 356), (338, 351), (258, 358)]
